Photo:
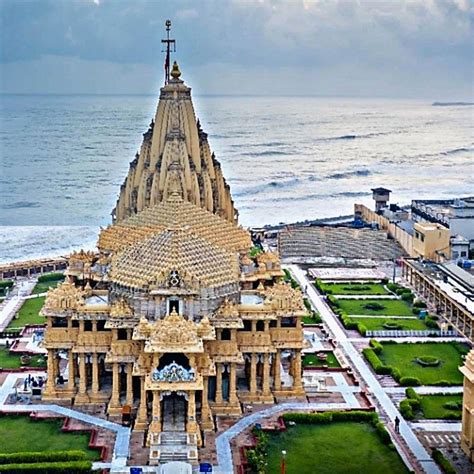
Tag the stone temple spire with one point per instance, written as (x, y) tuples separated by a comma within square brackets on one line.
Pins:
[(175, 141)]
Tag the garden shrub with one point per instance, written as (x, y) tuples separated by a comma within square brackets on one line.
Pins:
[(376, 346), (455, 415), (50, 277), (309, 418), (409, 381), (374, 306), (443, 463), (396, 374), (256, 457), (431, 323), (69, 467), (376, 363), (408, 297), (406, 410), (392, 326), (419, 304), (34, 457), (410, 393), (415, 311), (393, 286), (453, 405)]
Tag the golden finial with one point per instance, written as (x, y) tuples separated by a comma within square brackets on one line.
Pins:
[(175, 72)]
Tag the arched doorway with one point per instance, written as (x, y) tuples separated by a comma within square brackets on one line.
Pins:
[(173, 412)]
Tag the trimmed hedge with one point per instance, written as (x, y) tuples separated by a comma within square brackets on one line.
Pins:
[(376, 346), (35, 457), (443, 463), (409, 381), (71, 467), (50, 277)]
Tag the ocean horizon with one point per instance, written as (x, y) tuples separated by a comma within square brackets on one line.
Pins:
[(286, 158)]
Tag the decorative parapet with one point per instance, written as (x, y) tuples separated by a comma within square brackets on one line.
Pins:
[(63, 298)]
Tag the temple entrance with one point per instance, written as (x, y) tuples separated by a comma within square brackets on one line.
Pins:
[(173, 408)]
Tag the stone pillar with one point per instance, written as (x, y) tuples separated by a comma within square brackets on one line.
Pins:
[(266, 375), (218, 383), (140, 424), (206, 419), (51, 381), (277, 370), (82, 374), (191, 424), (297, 383), (129, 398), (253, 374), (95, 374), (115, 398), (155, 426), (233, 384), (71, 382)]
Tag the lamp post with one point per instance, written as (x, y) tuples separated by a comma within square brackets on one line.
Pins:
[(282, 464)]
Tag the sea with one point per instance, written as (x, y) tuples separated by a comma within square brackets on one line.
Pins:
[(287, 159)]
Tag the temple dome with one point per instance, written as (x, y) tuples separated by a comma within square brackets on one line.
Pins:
[(174, 212), (149, 263)]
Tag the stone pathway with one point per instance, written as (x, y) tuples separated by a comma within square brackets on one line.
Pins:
[(12, 304), (437, 426), (387, 405)]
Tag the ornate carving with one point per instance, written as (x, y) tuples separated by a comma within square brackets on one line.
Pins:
[(174, 373), (121, 309), (65, 297)]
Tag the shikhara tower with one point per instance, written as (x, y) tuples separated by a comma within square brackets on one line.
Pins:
[(172, 319), (175, 149)]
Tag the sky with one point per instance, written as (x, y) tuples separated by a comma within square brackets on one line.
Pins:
[(358, 48)]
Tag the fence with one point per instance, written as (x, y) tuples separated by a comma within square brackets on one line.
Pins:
[(412, 333)]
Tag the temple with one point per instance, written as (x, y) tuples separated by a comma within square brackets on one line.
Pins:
[(176, 318)]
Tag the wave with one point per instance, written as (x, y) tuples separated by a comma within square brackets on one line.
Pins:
[(257, 145), (348, 174), (269, 153), (21, 205)]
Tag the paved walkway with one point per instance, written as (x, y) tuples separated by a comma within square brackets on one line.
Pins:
[(418, 450), (436, 426), (12, 304), (122, 441), (366, 297)]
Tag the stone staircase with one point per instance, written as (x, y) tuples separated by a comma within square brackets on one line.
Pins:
[(176, 446)]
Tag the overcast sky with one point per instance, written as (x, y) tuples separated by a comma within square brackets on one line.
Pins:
[(383, 48)]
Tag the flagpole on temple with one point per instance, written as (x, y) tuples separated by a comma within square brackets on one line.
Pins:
[(169, 43)]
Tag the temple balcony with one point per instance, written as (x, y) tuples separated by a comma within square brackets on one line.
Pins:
[(60, 338), (287, 338)]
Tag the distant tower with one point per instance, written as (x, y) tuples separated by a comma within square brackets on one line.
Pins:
[(381, 196), (170, 48)]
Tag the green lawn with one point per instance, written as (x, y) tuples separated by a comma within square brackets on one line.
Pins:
[(19, 433), (43, 286), (390, 307), (29, 313), (432, 406), (311, 319), (402, 356), (12, 361), (353, 288), (344, 447), (311, 360), (377, 324)]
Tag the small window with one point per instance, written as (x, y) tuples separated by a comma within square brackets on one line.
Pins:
[(87, 325), (247, 325), (225, 335), (75, 323), (260, 326), (101, 325), (122, 335)]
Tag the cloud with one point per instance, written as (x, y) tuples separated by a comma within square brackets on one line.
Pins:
[(358, 40)]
